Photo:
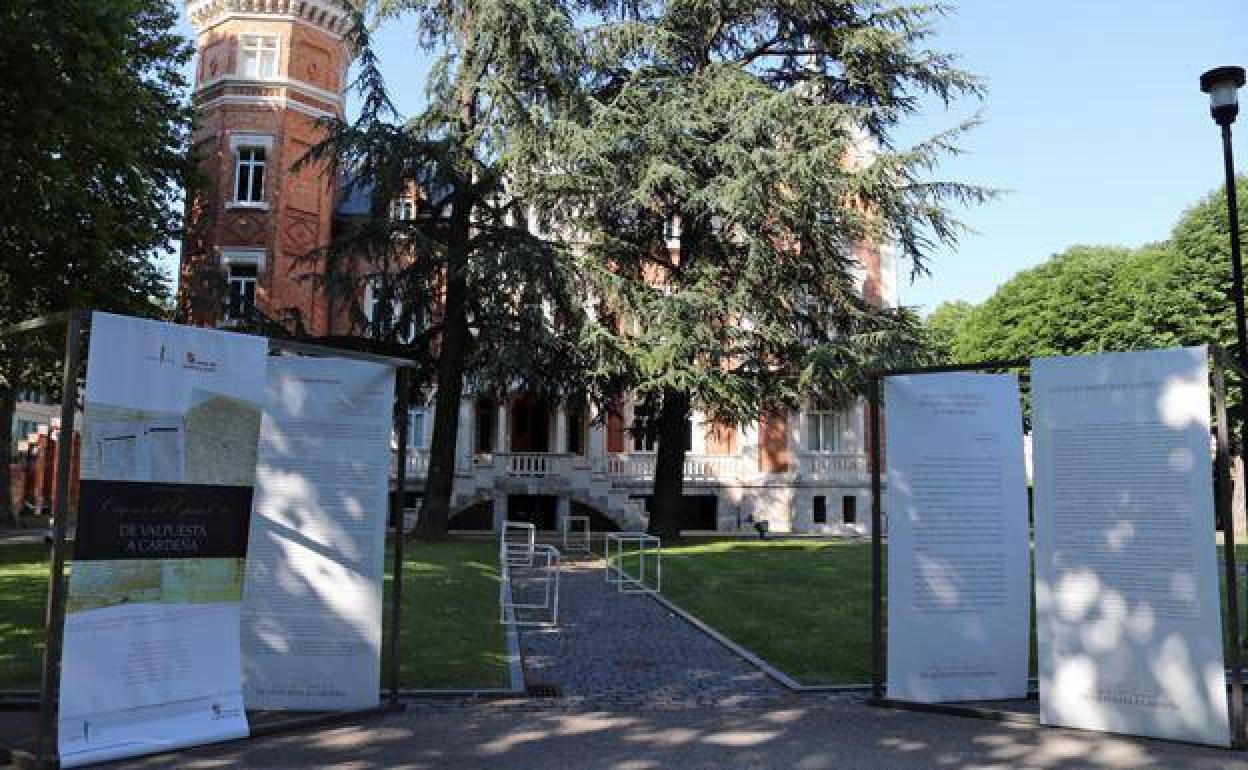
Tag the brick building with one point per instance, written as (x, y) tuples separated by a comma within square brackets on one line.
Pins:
[(266, 70)]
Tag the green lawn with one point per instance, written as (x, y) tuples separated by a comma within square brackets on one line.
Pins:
[(450, 616), (803, 605), (452, 637), (23, 597)]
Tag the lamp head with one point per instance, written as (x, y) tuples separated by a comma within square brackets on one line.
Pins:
[(1222, 85)]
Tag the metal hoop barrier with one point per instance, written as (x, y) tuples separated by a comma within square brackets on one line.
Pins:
[(642, 545), (517, 543), (576, 539), (539, 576)]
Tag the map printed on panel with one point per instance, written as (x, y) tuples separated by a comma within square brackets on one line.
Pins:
[(151, 653)]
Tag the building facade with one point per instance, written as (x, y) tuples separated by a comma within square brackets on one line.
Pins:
[(266, 70)]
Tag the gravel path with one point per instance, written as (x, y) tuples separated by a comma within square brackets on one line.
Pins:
[(627, 650)]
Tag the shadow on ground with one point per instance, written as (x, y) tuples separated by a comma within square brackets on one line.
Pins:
[(808, 735)]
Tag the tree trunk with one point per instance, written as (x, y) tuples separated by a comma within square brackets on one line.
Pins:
[(435, 511), (667, 507), (8, 407)]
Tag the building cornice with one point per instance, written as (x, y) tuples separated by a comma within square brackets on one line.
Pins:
[(227, 81), (273, 102), (324, 14)]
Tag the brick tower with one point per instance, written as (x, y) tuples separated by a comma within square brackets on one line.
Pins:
[(266, 71)]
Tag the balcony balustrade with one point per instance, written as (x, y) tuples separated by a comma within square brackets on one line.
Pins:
[(842, 467)]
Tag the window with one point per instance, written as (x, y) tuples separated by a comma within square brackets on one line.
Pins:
[(671, 231), (849, 510), (416, 427), (249, 175), (576, 429), (403, 209), (645, 431), (382, 322), (820, 514), (242, 292), (823, 431), (259, 56), (486, 420)]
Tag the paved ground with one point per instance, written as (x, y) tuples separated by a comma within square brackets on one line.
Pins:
[(642, 690), (817, 736), (614, 650)]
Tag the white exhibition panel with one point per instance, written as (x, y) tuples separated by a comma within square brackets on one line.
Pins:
[(156, 366), (958, 553), (312, 598), (151, 656), (1128, 618)]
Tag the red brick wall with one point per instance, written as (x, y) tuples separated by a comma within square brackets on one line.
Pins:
[(299, 216)]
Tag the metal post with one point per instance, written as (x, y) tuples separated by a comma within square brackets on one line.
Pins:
[(1237, 267), (397, 510), (1225, 507), (877, 542), (54, 621)]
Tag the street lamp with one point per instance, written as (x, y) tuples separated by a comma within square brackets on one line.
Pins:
[(1222, 85)]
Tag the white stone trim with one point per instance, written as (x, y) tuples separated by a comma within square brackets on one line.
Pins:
[(282, 82), (243, 139), (279, 102), (244, 256), (323, 14)]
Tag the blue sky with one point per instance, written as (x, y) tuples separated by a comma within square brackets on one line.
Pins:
[(1093, 122)]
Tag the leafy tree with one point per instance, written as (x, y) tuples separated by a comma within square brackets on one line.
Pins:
[(942, 327), (1180, 291), (1095, 299), (94, 129), (764, 130), (493, 304), (1063, 306)]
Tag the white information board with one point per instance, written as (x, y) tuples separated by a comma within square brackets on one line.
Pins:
[(958, 554), (151, 649), (312, 598), (1130, 631)]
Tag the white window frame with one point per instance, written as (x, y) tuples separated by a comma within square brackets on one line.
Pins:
[(671, 232), (370, 310), (403, 208), (250, 258), (259, 56), (245, 160), (416, 417), (239, 142), (244, 281), (825, 429)]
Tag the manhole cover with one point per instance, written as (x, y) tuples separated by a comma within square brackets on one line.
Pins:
[(542, 691)]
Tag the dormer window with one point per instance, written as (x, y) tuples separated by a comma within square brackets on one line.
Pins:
[(403, 209), (259, 55)]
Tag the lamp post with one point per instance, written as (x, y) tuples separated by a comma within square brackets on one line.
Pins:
[(1222, 85)]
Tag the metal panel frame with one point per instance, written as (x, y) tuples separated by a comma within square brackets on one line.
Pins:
[(1223, 509), (78, 321)]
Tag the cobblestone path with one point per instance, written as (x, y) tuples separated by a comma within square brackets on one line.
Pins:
[(628, 650)]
